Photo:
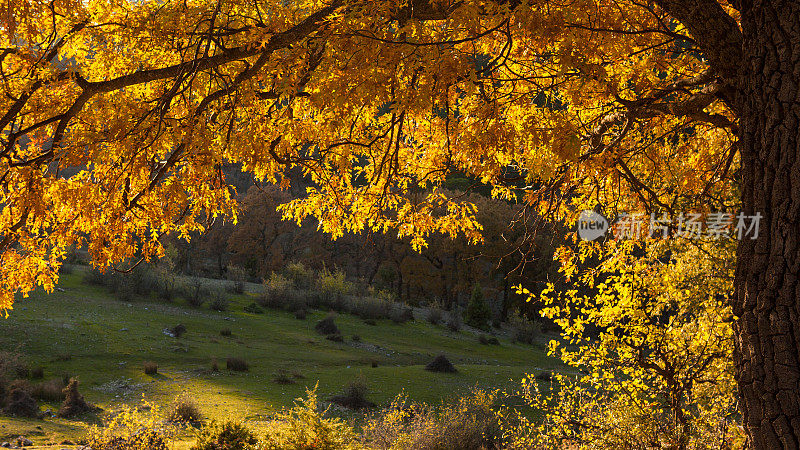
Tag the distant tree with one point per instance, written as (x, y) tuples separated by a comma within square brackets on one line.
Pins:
[(477, 314)]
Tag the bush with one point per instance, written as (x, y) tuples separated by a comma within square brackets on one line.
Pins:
[(299, 275), (48, 391), (218, 303), (368, 307), (441, 364), (335, 337), (332, 288), (354, 395), (477, 313), (73, 404), (237, 365), (184, 410), (19, 401), (282, 376), (214, 365), (237, 277), (454, 321), (435, 315), (401, 313), (253, 308), (326, 326), (227, 435), (277, 291), (178, 330), (488, 340), (150, 368), (300, 314), (225, 332), (132, 429), (304, 427), (523, 330), (356, 338), (468, 423), (195, 293)]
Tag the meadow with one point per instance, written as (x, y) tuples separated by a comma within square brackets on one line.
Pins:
[(82, 330)]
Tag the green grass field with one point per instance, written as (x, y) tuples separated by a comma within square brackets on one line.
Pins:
[(83, 331)]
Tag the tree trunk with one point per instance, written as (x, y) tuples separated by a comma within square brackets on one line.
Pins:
[(767, 289)]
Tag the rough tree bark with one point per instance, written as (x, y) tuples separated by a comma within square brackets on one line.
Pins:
[(767, 289)]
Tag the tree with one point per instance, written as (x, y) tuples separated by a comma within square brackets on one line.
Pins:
[(117, 117), (477, 313)]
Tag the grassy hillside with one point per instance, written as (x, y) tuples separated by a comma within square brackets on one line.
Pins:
[(82, 330)]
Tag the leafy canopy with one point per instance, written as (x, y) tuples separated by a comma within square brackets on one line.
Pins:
[(116, 116)]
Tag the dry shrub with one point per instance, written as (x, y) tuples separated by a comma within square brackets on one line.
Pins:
[(523, 330), (441, 364), (300, 314), (354, 395), (48, 391), (470, 423), (19, 401), (184, 410), (326, 326), (178, 330), (237, 364), (401, 313), (305, 427), (150, 368), (435, 315), (282, 376), (335, 337), (488, 340), (73, 404), (225, 332)]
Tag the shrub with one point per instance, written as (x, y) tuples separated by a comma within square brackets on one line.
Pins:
[(225, 332), (368, 307), (195, 293), (401, 313), (370, 322), (356, 338), (468, 423), (334, 337), (132, 429), (488, 340), (37, 373), (214, 365), (524, 330), (150, 368), (237, 277), (253, 308), (332, 287), (237, 364), (282, 376), (477, 313), (304, 427), (19, 401), (435, 315), (48, 391), (277, 289), (454, 321), (73, 404), (299, 275), (227, 435), (326, 326), (178, 330), (441, 364), (218, 303), (184, 410), (300, 314), (354, 395)]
